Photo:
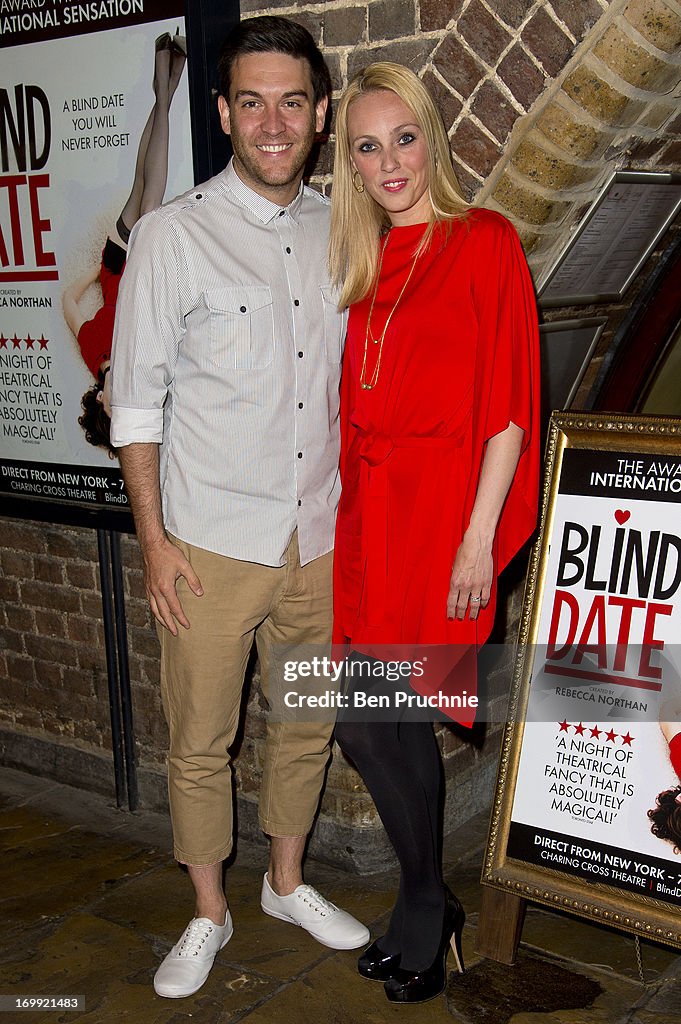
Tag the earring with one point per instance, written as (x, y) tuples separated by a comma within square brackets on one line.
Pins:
[(358, 187)]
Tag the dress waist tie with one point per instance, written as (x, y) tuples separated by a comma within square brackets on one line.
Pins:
[(375, 451)]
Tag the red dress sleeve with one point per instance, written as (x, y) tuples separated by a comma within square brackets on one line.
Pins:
[(506, 374), (675, 753)]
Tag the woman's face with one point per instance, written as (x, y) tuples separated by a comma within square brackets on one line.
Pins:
[(388, 148)]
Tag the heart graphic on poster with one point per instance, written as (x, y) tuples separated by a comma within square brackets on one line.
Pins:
[(621, 516)]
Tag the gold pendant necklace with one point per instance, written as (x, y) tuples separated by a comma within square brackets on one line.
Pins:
[(369, 385)]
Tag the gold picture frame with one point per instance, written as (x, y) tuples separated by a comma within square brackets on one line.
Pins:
[(534, 828)]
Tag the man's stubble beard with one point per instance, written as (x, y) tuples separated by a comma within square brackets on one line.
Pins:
[(257, 172)]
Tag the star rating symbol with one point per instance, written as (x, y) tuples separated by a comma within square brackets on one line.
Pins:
[(43, 342), (611, 736), (595, 732), (29, 341), (564, 726), (3, 341), (16, 341), (579, 729), (627, 739)]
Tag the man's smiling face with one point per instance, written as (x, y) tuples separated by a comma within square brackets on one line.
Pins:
[(272, 120)]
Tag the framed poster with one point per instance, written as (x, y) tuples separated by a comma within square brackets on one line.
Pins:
[(614, 239), (587, 813), (95, 129)]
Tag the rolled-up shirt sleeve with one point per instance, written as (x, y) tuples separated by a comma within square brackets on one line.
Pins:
[(148, 330)]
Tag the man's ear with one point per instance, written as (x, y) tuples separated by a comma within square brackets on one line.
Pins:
[(320, 113), (223, 107)]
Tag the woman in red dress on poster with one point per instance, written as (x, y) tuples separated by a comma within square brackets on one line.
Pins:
[(94, 335), (666, 814), (439, 463)]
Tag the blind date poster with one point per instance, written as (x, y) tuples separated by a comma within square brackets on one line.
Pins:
[(94, 125), (598, 790)]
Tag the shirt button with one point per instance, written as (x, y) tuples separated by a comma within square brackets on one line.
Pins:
[(300, 405), (299, 503), (199, 195), (300, 455), (296, 302), (288, 249), (282, 212), (300, 355), (242, 308)]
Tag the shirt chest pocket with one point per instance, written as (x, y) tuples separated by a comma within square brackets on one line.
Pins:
[(241, 335)]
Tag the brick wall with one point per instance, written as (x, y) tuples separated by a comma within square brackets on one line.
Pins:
[(542, 101), (52, 660)]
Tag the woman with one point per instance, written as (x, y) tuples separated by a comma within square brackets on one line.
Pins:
[(439, 462), (666, 815), (94, 335)]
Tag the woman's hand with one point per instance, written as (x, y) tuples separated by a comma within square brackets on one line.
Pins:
[(473, 569), (472, 575)]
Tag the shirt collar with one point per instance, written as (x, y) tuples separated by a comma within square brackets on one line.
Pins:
[(264, 209)]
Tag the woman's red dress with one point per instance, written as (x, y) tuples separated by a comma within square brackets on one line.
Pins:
[(459, 363)]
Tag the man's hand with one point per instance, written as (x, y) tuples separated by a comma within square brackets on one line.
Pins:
[(164, 564)]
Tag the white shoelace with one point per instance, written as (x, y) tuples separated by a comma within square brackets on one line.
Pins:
[(316, 901), (194, 938)]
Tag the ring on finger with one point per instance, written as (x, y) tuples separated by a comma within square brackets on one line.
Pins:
[(475, 600)]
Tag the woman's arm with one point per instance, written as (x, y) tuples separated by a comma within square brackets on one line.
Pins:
[(670, 730), (473, 569), (73, 314)]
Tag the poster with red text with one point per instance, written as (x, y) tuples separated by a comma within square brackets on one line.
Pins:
[(94, 127), (598, 787)]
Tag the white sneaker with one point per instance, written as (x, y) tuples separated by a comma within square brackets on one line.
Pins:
[(188, 963), (309, 910)]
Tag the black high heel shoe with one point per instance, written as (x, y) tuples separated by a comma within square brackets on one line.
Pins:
[(178, 44), (163, 42), (418, 986), (459, 918), (377, 965)]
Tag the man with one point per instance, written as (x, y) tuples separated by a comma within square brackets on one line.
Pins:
[(227, 358)]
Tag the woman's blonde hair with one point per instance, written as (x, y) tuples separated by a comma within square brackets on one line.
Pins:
[(357, 220)]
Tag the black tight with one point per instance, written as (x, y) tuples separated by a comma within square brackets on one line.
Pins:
[(402, 769)]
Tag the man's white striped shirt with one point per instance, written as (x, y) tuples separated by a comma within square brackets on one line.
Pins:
[(227, 353)]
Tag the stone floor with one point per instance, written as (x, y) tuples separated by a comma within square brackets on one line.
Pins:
[(92, 901)]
